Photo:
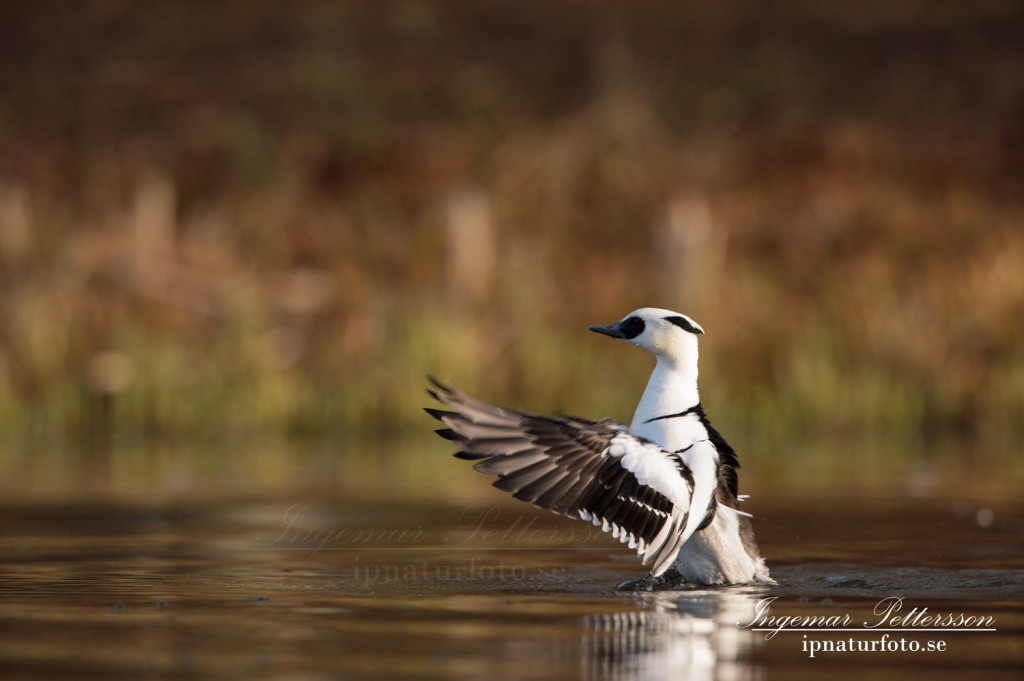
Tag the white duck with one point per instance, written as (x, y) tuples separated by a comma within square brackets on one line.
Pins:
[(666, 486)]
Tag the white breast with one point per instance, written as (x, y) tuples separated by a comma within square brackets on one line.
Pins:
[(703, 462), (673, 434)]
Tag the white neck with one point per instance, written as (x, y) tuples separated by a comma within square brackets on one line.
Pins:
[(671, 389)]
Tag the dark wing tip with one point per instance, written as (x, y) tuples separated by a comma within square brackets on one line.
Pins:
[(439, 414), (449, 434), (466, 456)]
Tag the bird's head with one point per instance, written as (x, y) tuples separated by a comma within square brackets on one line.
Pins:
[(664, 333)]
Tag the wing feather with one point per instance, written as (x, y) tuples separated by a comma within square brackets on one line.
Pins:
[(593, 470)]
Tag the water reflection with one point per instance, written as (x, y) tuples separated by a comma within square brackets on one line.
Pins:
[(688, 636), (385, 591)]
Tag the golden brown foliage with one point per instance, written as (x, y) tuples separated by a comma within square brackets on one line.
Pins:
[(280, 217)]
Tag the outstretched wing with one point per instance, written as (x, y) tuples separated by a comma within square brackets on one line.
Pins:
[(594, 470)]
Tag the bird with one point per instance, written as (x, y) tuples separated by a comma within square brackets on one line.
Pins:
[(666, 486)]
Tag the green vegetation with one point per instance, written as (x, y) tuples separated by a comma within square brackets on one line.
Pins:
[(220, 221)]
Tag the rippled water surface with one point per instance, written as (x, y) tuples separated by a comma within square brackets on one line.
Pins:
[(348, 586)]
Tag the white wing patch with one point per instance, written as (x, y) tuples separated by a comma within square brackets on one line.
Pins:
[(657, 469), (652, 467)]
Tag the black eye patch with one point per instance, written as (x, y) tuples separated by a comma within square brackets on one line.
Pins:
[(632, 327), (683, 324)]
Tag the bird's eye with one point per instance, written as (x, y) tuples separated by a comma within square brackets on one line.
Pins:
[(632, 327)]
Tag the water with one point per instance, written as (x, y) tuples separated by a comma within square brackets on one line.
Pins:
[(292, 584)]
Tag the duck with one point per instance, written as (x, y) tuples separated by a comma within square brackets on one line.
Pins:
[(667, 485)]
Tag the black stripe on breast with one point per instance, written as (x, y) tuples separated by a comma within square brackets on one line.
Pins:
[(695, 409)]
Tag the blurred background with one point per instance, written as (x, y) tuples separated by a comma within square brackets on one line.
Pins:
[(246, 231)]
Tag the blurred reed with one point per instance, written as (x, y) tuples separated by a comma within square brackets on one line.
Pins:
[(275, 312), (857, 273)]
